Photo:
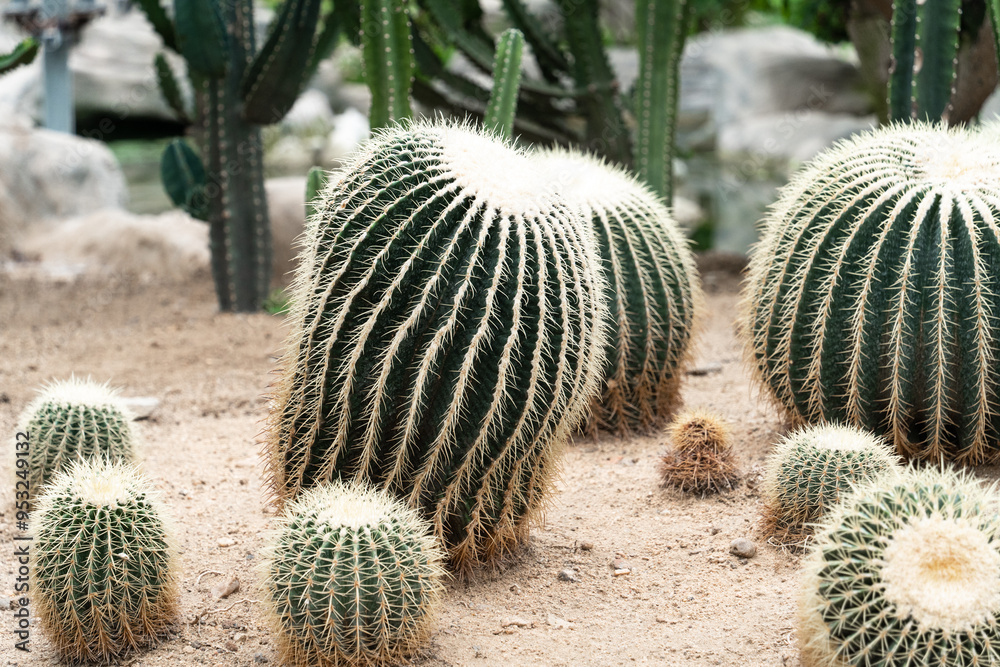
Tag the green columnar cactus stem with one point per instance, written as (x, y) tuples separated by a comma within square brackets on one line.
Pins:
[(388, 51), (905, 571), (661, 28), (873, 295), (653, 288), (75, 420), (506, 79), (551, 61), (993, 9), (810, 469), (352, 577), (924, 49), (316, 182), (447, 336), (104, 572)]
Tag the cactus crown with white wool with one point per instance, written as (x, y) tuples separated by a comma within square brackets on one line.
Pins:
[(351, 576), (653, 288), (75, 420), (447, 335), (874, 293), (905, 571), (104, 568), (808, 471)]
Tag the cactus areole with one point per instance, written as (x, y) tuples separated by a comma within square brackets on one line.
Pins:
[(447, 335), (874, 293)]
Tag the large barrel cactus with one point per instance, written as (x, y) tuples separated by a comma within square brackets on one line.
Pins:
[(352, 577), (653, 289), (104, 568), (447, 335), (906, 571), (874, 293)]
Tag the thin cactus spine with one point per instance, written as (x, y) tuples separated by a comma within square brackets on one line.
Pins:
[(75, 420), (872, 296), (104, 564), (653, 291), (456, 391), (905, 565), (365, 557)]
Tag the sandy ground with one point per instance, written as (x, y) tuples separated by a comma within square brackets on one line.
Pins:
[(686, 601)]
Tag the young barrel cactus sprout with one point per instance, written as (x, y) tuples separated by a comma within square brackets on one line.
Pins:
[(104, 576), (447, 335), (653, 289), (808, 471), (74, 420), (872, 297), (702, 457), (906, 571), (353, 577)]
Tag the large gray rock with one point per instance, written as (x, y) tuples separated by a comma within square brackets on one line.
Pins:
[(113, 75), (170, 247), (286, 207), (787, 139), (46, 175)]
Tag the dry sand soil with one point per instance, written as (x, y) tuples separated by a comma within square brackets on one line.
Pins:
[(678, 597)]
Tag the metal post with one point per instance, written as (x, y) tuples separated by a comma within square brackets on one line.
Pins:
[(59, 111)]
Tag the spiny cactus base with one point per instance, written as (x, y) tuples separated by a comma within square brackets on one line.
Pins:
[(810, 469), (873, 296), (352, 577), (653, 290), (103, 576), (702, 457), (447, 336), (906, 571), (75, 420)]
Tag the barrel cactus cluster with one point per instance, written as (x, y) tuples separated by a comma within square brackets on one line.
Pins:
[(811, 468), (653, 290), (353, 576), (75, 420), (906, 570), (104, 568), (873, 294)]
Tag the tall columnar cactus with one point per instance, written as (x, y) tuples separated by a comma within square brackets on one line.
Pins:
[(22, 54), (352, 577), (811, 468), (75, 420), (237, 89), (447, 335), (104, 574), (924, 51), (873, 295), (653, 291), (906, 571)]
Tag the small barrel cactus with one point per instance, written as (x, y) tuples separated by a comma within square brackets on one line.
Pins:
[(75, 420), (653, 291), (873, 296), (352, 577), (808, 471), (448, 328), (702, 457), (905, 571), (104, 576)]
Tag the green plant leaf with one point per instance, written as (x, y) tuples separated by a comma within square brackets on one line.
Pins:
[(22, 54)]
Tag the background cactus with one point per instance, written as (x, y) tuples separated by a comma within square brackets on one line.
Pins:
[(237, 89), (653, 291), (873, 294), (905, 571), (447, 336), (352, 577), (22, 54), (811, 468), (104, 579), (924, 51), (75, 420), (702, 457)]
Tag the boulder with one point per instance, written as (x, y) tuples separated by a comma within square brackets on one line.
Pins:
[(170, 247), (788, 139), (46, 175), (286, 207)]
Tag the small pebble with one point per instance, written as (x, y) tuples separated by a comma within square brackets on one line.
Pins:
[(556, 622), (568, 574), (515, 589), (621, 566), (226, 542), (742, 548), (226, 588), (705, 369), (230, 646), (260, 658), (239, 637), (714, 530), (586, 546), (515, 622)]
